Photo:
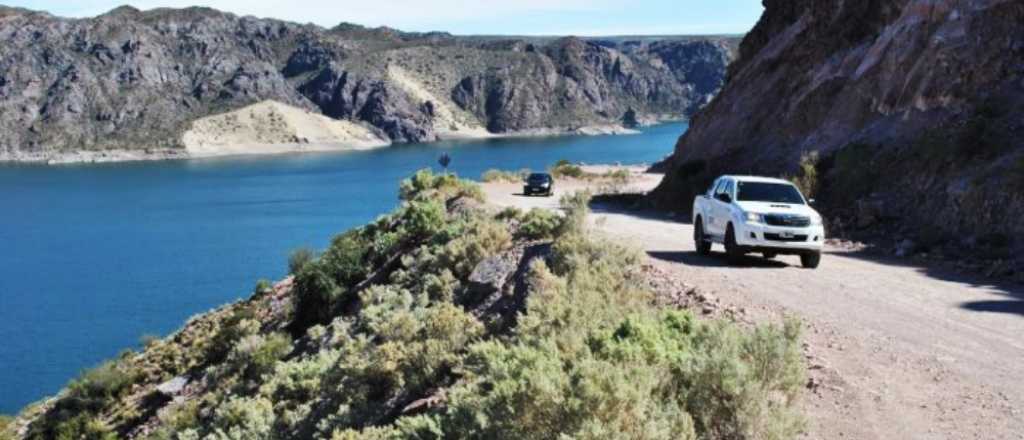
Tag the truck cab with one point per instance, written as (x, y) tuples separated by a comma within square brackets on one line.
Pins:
[(750, 214)]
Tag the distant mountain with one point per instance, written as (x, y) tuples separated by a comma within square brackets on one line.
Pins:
[(901, 113), (135, 80)]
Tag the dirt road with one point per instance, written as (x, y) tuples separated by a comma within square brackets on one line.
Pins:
[(895, 350)]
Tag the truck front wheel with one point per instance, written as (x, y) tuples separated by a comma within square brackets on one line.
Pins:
[(810, 260), (732, 250)]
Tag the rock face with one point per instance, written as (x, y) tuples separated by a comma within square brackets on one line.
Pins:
[(913, 105), (136, 80)]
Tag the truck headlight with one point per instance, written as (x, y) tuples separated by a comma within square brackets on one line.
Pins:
[(754, 218), (816, 220)]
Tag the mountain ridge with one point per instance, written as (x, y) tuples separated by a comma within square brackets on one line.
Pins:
[(135, 80)]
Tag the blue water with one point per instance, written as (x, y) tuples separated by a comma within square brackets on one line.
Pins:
[(92, 257)]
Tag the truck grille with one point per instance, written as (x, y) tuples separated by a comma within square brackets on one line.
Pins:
[(787, 220), (778, 237)]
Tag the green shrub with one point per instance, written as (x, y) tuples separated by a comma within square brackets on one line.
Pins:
[(239, 324), (565, 169), (74, 415), (619, 175), (99, 386), (427, 185), (84, 427), (263, 286), (6, 427), (242, 418), (148, 341), (510, 213), (345, 259), (494, 175), (660, 376), (539, 224), (177, 419), (320, 286), (299, 258), (255, 355), (425, 218), (807, 177), (576, 207)]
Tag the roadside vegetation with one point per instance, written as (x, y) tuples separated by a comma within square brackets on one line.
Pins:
[(504, 176), (612, 181), (6, 427), (385, 336)]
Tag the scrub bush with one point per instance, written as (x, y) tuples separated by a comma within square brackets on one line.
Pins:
[(74, 416), (6, 428), (299, 258), (493, 175), (242, 418), (565, 169), (539, 224), (321, 285), (807, 178)]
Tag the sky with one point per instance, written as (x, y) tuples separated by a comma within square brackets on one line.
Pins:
[(466, 17)]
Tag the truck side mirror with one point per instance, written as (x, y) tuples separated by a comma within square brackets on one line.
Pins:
[(811, 201), (725, 198)]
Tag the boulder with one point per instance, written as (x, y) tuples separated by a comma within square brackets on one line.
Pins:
[(172, 387), (491, 274)]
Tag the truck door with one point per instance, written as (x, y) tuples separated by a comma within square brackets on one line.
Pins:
[(722, 208)]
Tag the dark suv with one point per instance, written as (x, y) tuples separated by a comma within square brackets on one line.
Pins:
[(539, 183)]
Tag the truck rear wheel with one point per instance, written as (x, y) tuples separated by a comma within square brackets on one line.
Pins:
[(810, 260)]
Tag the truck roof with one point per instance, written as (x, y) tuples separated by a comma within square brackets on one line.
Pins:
[(758, 179)]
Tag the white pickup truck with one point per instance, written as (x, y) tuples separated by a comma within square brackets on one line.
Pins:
[(757, 214)]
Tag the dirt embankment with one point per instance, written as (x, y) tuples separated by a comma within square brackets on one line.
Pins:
[(894, 348), (272, 127)]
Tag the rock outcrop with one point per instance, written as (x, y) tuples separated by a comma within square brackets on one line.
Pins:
[(912, 105), (134, 80)]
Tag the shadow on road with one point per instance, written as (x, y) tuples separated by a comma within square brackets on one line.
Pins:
[(647, 214), (715, 260), (943, 271), (1010, 306)]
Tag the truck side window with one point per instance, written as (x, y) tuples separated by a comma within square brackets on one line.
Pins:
[(728, 189), (714, 188), (719, 188)]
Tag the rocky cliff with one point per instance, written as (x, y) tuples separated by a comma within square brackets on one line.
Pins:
[(136, 80), (903, 112)]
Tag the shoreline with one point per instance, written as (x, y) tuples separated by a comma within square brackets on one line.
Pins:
[(122, 155)]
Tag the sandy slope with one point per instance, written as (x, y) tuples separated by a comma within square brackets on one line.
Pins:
[(272, 127), (450, 122), (895, 350)]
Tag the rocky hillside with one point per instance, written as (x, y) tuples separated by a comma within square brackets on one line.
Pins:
[(445, 320), (896, 113), (136, 80)]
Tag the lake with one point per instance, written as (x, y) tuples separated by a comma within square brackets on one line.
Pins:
[(93, 257)]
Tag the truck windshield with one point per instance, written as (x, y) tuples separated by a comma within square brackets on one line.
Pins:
[(768, 192)]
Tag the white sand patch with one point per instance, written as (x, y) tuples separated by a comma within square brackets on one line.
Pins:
[(271, 127), (450, 122)]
